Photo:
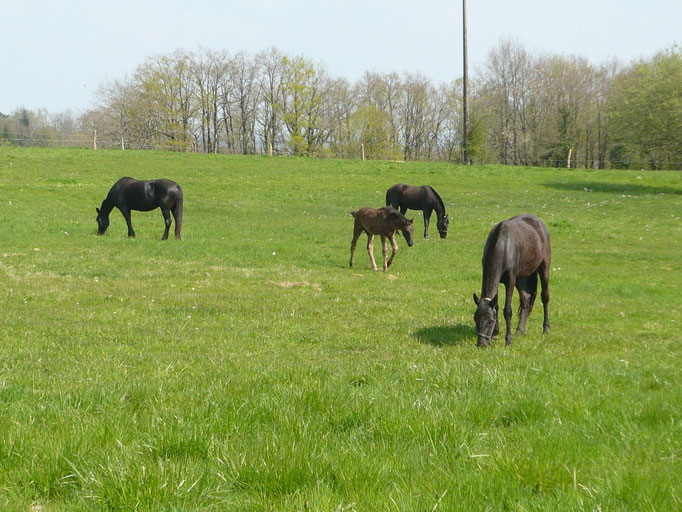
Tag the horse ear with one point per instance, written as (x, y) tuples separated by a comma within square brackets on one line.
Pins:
[(476, 300), (493, 302), (411, 220), (97, 210)]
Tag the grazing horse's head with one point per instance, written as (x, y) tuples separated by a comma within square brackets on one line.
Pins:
[(485, 318), (407, 229), (102, 222), (443, 223)]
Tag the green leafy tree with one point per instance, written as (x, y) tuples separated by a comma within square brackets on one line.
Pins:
[(6, 134), (373, 128), (646, 110), (300, 106)]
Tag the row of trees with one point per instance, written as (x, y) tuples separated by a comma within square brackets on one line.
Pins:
[(524, 109)]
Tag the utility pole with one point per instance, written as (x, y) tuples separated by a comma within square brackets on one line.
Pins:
[(466, 77)]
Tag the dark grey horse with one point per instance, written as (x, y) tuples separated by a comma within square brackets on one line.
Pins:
[(130, 194), (401, 197), (516, 252)]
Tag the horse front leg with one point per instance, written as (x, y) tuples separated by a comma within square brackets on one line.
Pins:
[(126, 215), (353, 243), (509, 289), (394, 247), (370, 250), (527, 288), (427, 219), (167, 220)]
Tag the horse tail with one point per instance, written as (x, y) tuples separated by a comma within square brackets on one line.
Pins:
[(177, 212)]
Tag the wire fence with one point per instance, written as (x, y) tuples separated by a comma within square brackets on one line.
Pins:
[(193, 147)]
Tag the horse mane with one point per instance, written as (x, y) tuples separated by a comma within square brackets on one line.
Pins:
[(392, 212), (440, 201), (490, 243)]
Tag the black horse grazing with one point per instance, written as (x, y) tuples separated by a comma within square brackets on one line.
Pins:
[(401, 197), (130, 194), (517, 250), (384, 222)]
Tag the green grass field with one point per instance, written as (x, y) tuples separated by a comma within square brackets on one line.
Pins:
[(246, 367)]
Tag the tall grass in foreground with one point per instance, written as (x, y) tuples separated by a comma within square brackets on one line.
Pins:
[(246, 367)]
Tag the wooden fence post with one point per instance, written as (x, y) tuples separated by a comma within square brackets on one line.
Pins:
[(362, 148), (94, 139), (568, 165)]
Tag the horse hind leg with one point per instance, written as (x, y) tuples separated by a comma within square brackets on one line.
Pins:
[(167, 221), (543, 271), (357, 231)]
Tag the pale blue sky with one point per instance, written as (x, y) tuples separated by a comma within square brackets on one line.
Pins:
[(54, 54)]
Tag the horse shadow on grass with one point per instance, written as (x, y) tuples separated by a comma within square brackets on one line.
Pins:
[(627, 189), (445, 335)]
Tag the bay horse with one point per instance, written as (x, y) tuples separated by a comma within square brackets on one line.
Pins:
[(384, 222), (130, 194), (516, 252), (425, 198)]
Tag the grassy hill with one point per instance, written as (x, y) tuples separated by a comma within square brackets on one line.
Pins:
[(246, 367)]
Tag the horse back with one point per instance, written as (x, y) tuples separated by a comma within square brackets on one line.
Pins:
[(146, 195), (375, 221), (528, 242), (517, 246), (409, 196)]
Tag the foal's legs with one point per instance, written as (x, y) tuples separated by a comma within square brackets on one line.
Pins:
[(394, 247), (126, 215), (544, 294), (370, 250), (509, 288), (356, 234), (167, 220), (528, 289), (384, 251)]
